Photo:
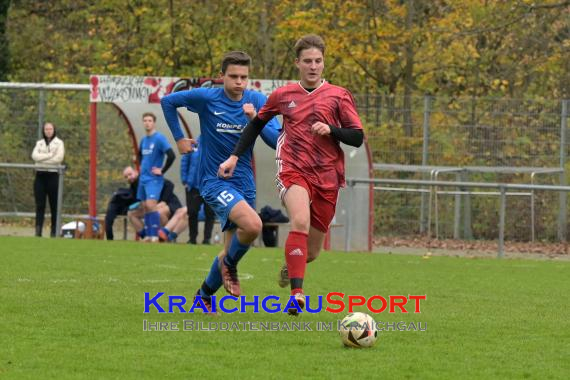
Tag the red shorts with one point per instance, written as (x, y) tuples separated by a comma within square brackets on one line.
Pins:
[(323, 202)]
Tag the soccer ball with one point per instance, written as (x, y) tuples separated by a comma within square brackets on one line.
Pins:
[(358, 330)]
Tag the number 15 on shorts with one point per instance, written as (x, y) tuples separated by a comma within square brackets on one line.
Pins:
[(225, 197)]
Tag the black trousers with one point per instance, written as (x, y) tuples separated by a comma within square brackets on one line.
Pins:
[(118, 205), (113, 210), (193, 202), (45, 185)]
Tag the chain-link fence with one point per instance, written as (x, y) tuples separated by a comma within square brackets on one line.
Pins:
[(22, 114), (506, 138), (468, 139)]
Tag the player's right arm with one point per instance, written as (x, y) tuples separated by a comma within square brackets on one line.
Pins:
[(193, 100)]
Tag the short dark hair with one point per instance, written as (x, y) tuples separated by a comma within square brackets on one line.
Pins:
[(309, 41), (149, 114), (235, 58)]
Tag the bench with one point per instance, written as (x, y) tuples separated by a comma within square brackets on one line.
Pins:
[(277, 226), (100, 220)]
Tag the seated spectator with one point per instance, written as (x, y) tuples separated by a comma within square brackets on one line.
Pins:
[(121, 200), (124, 202), (178, 223)]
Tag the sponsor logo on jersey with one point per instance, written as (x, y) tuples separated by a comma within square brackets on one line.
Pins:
[(292, 104), (147, 151), (229, 128)]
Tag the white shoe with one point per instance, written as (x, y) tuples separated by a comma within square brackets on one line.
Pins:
[(300, 298)]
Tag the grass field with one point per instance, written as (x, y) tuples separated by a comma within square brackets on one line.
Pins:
[(74, 309)]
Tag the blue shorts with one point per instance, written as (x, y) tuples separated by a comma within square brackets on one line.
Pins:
[(150, 189), (222, 196)]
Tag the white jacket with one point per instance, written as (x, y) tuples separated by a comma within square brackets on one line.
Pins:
[(49, 154)]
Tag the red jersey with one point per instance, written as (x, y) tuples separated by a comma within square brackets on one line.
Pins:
[(319, 159)]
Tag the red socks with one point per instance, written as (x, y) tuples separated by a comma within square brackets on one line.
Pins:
[(296, 258)]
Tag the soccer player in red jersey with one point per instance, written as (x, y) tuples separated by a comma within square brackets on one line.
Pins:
[(317, 117)]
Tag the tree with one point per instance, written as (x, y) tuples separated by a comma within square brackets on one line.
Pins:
[(4, 48)]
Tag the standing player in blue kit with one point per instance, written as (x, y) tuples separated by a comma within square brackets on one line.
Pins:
[(152, 150), (224, 113)]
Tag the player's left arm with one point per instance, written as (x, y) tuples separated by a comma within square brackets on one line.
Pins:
[(352, 137), (350, 132), (170, 157)]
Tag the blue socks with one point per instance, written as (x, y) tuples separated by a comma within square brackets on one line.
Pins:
[(236, 252), (151, 223), (146, 227), (213, 282)]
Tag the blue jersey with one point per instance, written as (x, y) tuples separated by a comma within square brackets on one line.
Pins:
[(189, 168), (222, 121), (153, 149)]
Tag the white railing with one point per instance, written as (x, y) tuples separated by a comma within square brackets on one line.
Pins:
[(432, 186)]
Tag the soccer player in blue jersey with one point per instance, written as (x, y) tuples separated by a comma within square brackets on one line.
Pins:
[(224, 113), (152, 149)]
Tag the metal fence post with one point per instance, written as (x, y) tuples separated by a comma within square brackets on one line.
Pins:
[(562, 222), (41, 113), (425, 150), (378, 107), (502, 211), (348, 230), (467, 230), (532, 210), (457, 215), (61, 173)]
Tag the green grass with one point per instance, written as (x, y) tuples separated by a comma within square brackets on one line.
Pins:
[(74, 309)]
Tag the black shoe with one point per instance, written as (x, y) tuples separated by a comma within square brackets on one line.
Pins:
[(38, 231), (191, 242), (206, 242), (208, 303)]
